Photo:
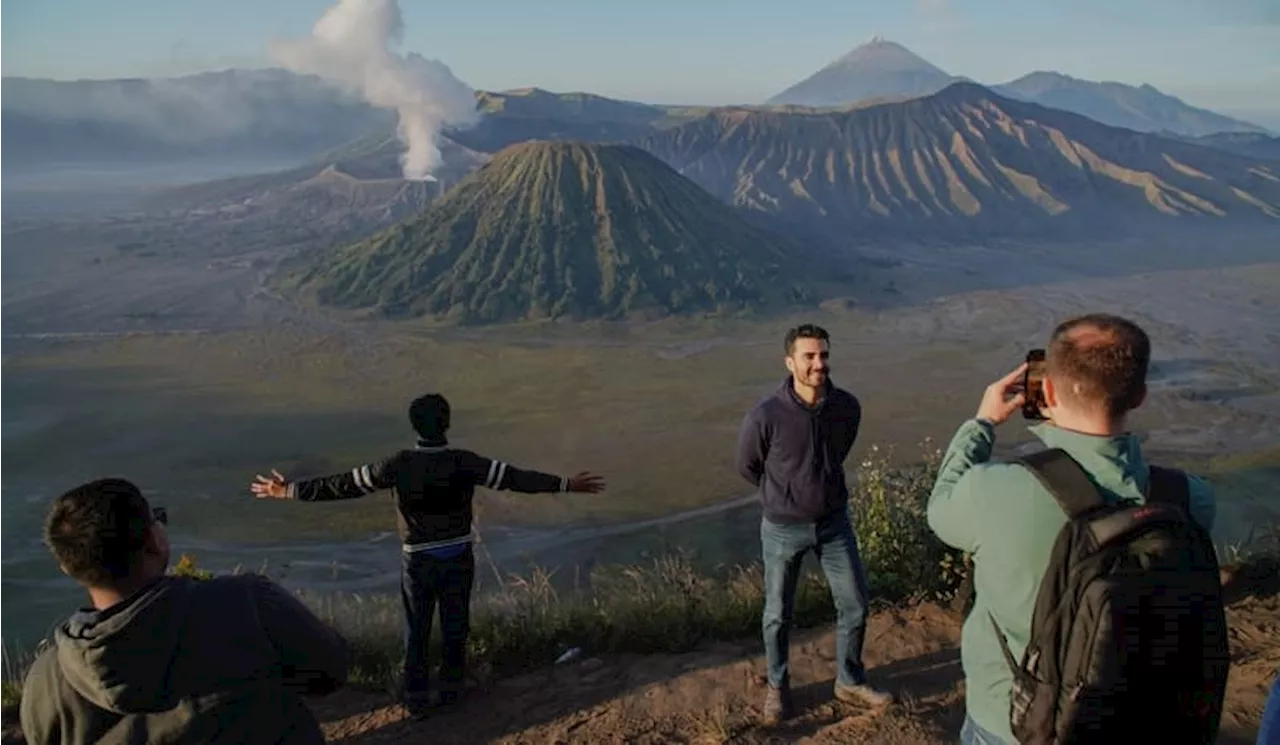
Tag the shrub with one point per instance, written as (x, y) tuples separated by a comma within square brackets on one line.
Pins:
[(186, 567), (902, 556)]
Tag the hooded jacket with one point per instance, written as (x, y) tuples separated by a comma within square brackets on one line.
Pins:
[(795, 454), (225, 660)]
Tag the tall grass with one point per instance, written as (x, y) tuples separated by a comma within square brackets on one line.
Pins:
[(16, 661)]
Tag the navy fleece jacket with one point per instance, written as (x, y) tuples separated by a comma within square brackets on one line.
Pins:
[(794, 454)]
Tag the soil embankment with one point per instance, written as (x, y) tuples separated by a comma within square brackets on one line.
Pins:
[(713, 695)]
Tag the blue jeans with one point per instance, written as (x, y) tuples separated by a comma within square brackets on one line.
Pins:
[(427, 581), (1269, 732), (784, 547), (973, 734)]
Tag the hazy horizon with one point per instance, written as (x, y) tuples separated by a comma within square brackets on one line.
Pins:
[(1222, 58)]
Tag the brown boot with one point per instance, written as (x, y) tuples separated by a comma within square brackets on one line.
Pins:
[(777, 706)]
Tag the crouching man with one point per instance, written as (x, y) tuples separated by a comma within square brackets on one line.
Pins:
[(163, 659)]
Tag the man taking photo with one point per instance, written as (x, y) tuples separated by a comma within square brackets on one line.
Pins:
[(434, 485), (1095, 564)]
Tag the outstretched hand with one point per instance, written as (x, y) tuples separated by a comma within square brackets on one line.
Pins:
[(274, 487), (1002, 397), (586, 482)]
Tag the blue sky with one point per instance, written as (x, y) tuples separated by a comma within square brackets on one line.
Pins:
[(1224, 54)]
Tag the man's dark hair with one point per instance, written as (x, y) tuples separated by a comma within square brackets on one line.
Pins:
[(97, 531), (1106, 356), (429, 416), (804, 331)]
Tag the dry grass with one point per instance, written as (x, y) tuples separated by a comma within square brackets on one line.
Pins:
[(16, 662)]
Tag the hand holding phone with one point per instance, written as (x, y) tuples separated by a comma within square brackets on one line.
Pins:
[(1033, 386), (1003, 397)]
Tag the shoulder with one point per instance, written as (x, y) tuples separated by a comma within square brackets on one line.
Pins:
[(1002, 481), (765, 408), (44, 671), (42, 687), (399, 458), (231, 589), (846, 398), (1198, 487)]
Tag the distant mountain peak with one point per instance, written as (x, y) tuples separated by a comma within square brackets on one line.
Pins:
[(877, 69), (885, 54)]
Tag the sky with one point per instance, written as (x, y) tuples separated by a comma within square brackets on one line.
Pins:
[(1221, 54)]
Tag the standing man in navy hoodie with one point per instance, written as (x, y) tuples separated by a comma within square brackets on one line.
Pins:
[(792, 448)]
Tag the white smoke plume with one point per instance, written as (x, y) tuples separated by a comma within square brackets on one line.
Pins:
[(353, 46)]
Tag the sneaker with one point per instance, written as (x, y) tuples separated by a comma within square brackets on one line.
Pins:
[(777, 706), (450, 697), (417, 708), (862, 695)]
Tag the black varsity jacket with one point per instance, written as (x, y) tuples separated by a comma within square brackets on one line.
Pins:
[(433, 487)]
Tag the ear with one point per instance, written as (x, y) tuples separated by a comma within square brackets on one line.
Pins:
[(1140, 398), (1050, 392), (157, 540), (790, 363)]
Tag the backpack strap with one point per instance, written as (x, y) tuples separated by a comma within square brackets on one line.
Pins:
[(1063, 477), (1169, 486)]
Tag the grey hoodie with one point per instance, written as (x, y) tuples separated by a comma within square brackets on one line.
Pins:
[(225, 660)]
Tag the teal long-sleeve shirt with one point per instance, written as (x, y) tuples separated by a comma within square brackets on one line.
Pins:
[(1001, 514)]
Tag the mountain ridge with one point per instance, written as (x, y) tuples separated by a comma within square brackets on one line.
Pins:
[(1143, 108), (962, 162)]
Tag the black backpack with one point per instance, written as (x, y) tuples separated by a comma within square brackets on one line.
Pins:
[(1129, 637)]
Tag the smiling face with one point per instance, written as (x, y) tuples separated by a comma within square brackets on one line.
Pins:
[(809, 362)]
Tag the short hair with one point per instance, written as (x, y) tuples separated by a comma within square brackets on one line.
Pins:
[(804, 331), (97, 531), (1105, 356), (429, 415)]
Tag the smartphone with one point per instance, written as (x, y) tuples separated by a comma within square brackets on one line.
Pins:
[(1033, 385)]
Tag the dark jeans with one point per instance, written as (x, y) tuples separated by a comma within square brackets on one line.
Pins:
[(784, 547), (425, 582)]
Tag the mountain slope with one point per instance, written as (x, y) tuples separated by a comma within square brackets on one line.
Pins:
[(876, 69), (962, 162), (343, 195), (1142, 108), (1250, 144), (564, 230)]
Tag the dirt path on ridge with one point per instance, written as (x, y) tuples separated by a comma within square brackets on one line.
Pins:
[(712, 695)]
